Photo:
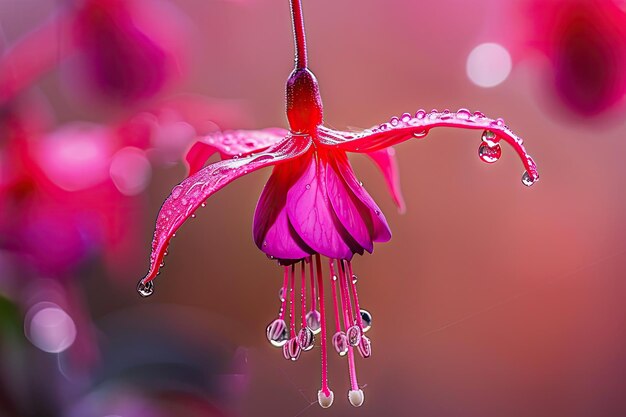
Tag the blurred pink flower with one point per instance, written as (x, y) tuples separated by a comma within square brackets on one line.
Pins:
[(584, 42), (121, 50)]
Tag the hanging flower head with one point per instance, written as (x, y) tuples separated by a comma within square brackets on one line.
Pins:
[(313, 207)]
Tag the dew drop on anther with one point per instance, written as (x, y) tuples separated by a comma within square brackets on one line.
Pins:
[(292, 350), (306, 339), (340, 343), (314, 321), (489, 154), (527, 179), (354, 335), (277, 333), (366, 318), (145, 290), (365, 347)]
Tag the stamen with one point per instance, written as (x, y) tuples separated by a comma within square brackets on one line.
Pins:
[(324, 396), (292, 307), (313, 295), (303, 294), (333, 278), (357, 309), (355, 395), (283, 298)]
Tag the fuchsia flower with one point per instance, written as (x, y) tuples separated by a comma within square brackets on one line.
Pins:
[(313, 206)]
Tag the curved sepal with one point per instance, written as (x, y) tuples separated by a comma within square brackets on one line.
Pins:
[(405, 127), (385, 160), (193, 191), (230, 144)]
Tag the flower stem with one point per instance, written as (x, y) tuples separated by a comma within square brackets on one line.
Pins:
[(298, 33)]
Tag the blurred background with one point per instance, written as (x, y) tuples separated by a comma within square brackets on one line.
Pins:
[(491, 299)]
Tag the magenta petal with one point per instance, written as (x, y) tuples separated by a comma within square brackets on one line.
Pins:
[(381, 231), (272, 232), (350, 211), (193, 191), (311, 214), (385, 160), (232, 143), (400, 129)]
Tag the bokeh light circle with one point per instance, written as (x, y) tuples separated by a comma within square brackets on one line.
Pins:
[(49, 327), (488, 65)]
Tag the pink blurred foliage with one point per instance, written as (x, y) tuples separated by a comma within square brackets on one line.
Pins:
[(117, 51), (584, 45)]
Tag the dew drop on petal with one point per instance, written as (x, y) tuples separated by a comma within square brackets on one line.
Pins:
[(463, 114), (489, 137), (145, 290), (394, 121), (354, 335), (176, 191), (308, 186), (340, 343), (489, 154), (366, 318), (314, 321), (277, 333), (405, 117), (420, 114), (527, 179), (306, 339)]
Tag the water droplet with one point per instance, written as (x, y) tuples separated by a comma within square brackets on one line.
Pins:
[(292, 350), (463, 114), (277, 332), (145, 290), (354, 335), (340, 343), (420, 134), (265, 243), (377, 212), (479, 115), (394, 121), (281, 294), (490, 138), (360, 183), (528, 180), (334, 277), (308, 186), (314, 321), (489, 154), (193, 215), (420, 114), (366, 318), (203, 205), (176, 191), (354, 279), (405, 117), (365, 347), (306, 339)]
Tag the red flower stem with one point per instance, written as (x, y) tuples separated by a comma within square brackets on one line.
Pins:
[(320, 283), (298, 33), (333, 278)]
